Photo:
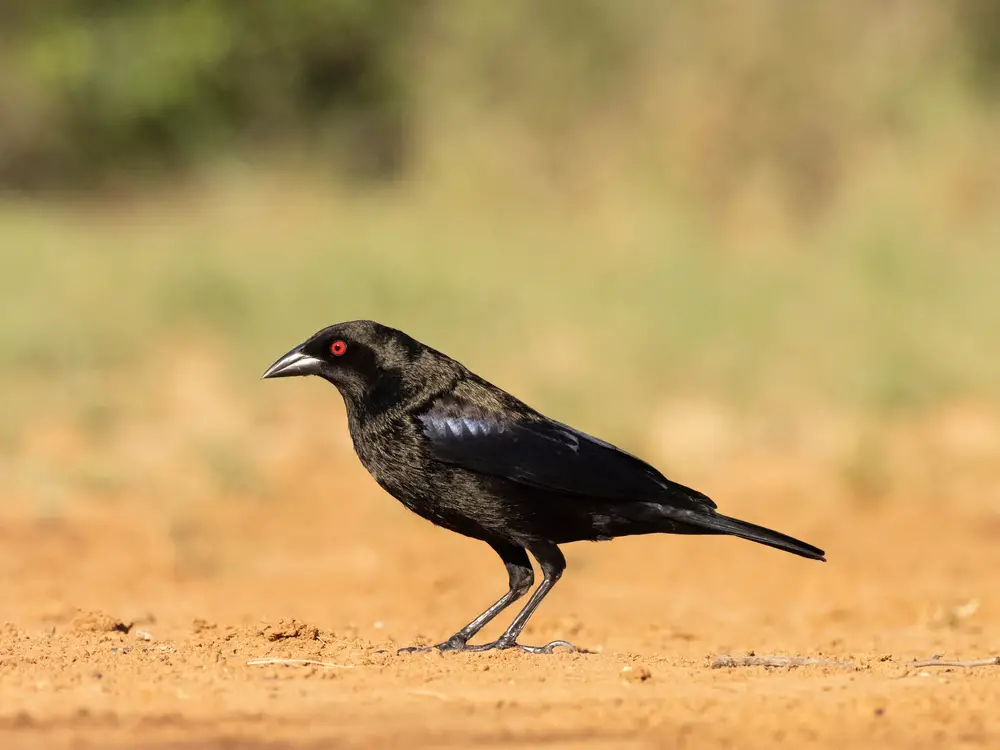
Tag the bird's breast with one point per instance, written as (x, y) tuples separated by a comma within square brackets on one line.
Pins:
[(395, 457), (389, 453)]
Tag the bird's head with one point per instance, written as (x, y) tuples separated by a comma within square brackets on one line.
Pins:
[(356, 356)]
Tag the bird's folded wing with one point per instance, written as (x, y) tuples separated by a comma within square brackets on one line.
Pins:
[(545, 454)]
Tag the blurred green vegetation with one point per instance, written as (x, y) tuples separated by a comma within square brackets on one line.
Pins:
[(95, 92), (774, 203), (94, 89)]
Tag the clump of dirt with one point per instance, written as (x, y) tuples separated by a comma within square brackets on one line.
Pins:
[(98, 622), (637, 673), (287, 629)]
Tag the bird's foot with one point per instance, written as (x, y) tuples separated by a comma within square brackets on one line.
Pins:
[(500, 645), (455, 643)]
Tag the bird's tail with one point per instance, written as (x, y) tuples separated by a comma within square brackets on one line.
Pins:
[(686, 521), (744, 530)]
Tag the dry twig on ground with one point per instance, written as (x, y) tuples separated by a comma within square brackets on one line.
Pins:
[(753, 660), (936, 662), (293, 662)]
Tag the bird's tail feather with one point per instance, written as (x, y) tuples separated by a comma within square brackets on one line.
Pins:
[(744, 530), (716, 523), (761, 535)]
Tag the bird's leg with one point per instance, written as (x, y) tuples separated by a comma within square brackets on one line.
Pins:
[(552, 562), (521, 579)]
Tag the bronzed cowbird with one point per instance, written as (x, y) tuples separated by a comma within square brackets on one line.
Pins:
[(474, 459)]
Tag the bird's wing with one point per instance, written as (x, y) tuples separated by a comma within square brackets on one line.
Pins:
[(546, 454)]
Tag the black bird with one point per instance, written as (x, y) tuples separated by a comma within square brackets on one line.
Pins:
[(472, 458)]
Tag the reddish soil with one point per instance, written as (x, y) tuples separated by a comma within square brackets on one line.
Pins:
[(128, 627)]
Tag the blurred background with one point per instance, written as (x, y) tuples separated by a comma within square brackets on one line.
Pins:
[(756, 242), (709, 231)]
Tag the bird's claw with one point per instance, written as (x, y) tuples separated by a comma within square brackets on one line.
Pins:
[(453, 644)]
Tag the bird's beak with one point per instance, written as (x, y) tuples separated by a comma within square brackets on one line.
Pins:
[(293, 364)]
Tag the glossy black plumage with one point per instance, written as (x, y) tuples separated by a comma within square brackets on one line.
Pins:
[(470, 457)]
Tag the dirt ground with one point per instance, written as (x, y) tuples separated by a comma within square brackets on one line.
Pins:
[(124, 626)]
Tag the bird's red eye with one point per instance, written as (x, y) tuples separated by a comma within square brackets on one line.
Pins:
[(337, 348)]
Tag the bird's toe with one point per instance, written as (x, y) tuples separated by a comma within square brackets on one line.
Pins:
[(455, 643), (458, 644), (549, 648), (414, 649)]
